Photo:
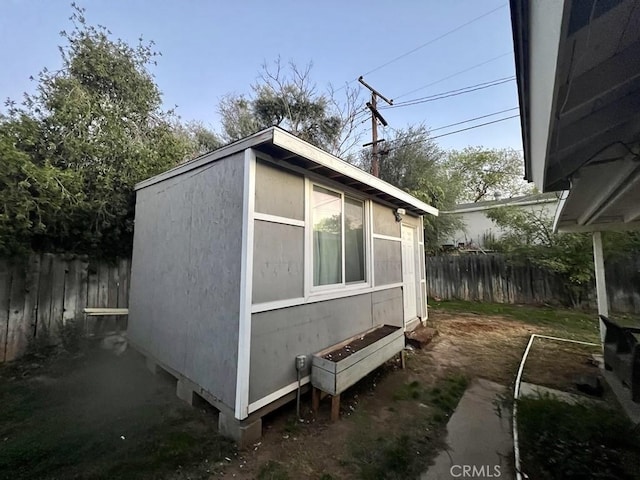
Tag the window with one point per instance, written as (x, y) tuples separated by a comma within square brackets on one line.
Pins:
[(353, 240), (338, 238)]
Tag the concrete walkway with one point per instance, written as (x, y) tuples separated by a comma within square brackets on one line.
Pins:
[(480, 441)]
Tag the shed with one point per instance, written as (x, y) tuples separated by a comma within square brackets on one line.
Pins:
[(260, 251)]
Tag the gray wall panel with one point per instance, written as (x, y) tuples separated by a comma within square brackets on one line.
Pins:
[(278, 263), (279, 335), (185, 279), (414, 222), (279, 192), (387, 307), (387, 255), (384, 221)]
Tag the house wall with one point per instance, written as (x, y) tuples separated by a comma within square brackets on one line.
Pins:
[(185, 281), (477, 224), (277, 336)]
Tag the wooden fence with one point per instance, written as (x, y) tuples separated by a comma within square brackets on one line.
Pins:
[(491, 278), (37, 293), (44, 289)]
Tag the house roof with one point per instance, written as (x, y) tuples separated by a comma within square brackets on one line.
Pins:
[(533, 199), (578, 72), (283, 147)]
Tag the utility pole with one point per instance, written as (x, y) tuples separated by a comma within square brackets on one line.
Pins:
[(375, 117)]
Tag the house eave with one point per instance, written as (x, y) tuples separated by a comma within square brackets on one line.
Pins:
[(481, 208), (579, 93)]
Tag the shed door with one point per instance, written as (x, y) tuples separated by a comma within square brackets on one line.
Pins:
[(409, 273)]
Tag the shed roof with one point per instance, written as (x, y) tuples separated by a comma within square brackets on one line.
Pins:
[(282, 146)]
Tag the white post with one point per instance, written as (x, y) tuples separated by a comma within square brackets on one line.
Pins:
[(601, 283)]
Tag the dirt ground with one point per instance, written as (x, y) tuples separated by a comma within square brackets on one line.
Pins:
[(556, 364), (472, 345), (166, 439)]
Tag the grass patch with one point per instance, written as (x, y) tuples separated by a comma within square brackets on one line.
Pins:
[(563, 441), (447, 393), (273, 470), (409, 391), (383, 455), (568, 323)]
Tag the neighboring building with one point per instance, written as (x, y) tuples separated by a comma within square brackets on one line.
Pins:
[(478, 227), (258, 252)]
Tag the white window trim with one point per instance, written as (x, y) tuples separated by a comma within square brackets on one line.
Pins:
[(294, 302), (379, 236), (322, 292), (272, 397), (266, 217)]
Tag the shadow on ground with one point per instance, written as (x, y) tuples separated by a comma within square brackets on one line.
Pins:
[(101, 416)]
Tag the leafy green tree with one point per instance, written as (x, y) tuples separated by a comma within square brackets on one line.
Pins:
[(96, 122), (413, 162), (487, 173), (32, 196), (288, 98), (200, 139), (529, 236)]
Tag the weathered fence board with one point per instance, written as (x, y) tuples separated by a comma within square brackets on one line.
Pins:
[(103, 286), (71, 290), (45, 288), (58, 269), (38, 293), (490, 278), (15, 339), (123, 283), (31, 295)]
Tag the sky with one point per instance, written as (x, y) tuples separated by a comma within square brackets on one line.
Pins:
[(213, 48)]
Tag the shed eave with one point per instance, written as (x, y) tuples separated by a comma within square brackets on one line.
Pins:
[(235, 147), (318, 156), (296, 147)]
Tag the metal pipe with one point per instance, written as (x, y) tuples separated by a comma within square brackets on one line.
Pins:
[(298, 397), (301, 362), (516, 394)]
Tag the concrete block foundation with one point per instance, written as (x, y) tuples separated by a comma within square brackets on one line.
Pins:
[(184, 390), (244, 432)]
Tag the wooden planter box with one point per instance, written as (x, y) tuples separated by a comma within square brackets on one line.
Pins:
[(336, 368)]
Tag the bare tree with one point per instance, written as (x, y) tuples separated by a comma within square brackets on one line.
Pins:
[(286, 96)]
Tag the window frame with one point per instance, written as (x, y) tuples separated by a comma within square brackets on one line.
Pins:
[(317, 290)]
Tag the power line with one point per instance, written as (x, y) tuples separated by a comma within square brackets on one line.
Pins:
[(454, 75), (511, 77), (419, 47), (475, 126), (455, 131), (451, 93), (401, 137), (442, 95), (476, 118)]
